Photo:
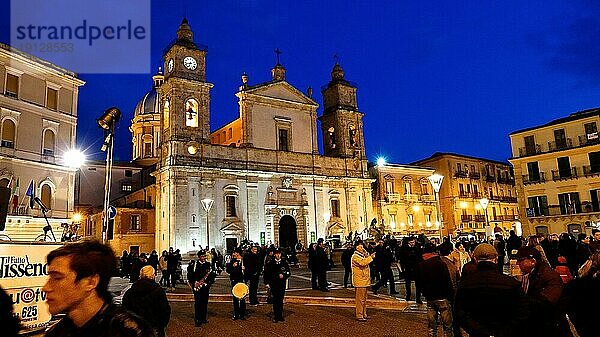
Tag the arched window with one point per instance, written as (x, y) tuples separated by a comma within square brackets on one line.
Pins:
[(49, 141), (8, 134), (148, 148), (166, 110), (47, 196), (193, 217), (191, 113)]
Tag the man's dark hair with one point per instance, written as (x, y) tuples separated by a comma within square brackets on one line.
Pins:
[(458, 244), (594, 231), (88, 258), (429, 248), (445, 248), (358, 242)]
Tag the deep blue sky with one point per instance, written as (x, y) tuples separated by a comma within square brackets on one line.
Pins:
[(453, 76)]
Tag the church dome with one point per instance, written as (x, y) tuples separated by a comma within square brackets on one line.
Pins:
[(149, 104)]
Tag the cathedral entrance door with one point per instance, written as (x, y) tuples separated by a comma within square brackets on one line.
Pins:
[(230, 244), (288, 234)]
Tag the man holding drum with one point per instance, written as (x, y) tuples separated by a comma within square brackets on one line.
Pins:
[(236, 276)]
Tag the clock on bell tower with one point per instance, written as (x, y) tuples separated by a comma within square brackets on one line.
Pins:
[(185, 96)]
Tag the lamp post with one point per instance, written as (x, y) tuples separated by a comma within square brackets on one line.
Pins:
[(207, 205), (436, 182), (107, 122), (484, 202)]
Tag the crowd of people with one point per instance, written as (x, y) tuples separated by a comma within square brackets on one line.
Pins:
[(468, 289), (464, 283)]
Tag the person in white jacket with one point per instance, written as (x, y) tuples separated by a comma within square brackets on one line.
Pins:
[(361, 278)]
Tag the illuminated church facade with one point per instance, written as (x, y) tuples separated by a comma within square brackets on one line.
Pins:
[(260, 177)]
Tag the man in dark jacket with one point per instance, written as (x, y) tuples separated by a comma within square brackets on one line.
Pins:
[(322, 262), (253, 267), (433, 279), (200, 277), (236, 275), (277, 271), (347, 263), (383, 262), (513, 243), (172, 261), (500, 246), (312, 265), (148, 300), (489, 303), (77, 286), (410, 256), (543, 287), (580, 291)]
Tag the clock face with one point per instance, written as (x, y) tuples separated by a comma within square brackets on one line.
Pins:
[(170, 65), (190, 63)]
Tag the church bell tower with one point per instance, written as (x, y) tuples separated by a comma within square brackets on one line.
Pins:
[(341, 122), (185, 96)]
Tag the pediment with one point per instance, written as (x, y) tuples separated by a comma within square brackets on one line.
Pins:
[(282, 90), (232, 227), (336, 226)]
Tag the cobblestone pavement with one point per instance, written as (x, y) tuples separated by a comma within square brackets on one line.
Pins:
[(300, 320)]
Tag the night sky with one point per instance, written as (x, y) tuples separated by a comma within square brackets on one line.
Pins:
[(452, 76)]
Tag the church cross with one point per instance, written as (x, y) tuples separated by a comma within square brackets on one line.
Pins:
[(277, 52)]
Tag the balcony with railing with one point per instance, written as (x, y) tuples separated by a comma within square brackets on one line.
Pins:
[(564, 174), (466, 218), (591, 170), (461, 174), (556, 210), (490, 178), (530, 150), (428, 197), (479, 218), (504, 198), (559, 145), (506, 180), (534, 179), (589, 139), (474, 175), (564, 144), (393, 197), (411, 197)]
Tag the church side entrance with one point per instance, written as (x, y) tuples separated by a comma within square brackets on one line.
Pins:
[(288, 232)]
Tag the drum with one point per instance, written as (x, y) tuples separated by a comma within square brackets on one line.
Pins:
[(240, 290)]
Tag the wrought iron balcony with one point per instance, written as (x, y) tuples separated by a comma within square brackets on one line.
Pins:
[(475, 175), (563, 144), (461, 174), (530, 150), (393, 197), (533, 179), (591, 170), (589, 139), (466, 218), (480, 218), (490, 178), (564, 174)]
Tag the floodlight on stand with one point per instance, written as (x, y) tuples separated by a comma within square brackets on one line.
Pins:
[(74, 158), (109, 118), (106, 143)]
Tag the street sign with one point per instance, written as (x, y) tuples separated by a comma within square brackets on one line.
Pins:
[(112, 212)]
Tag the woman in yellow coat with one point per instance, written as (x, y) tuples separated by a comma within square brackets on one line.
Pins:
[(361, 278)]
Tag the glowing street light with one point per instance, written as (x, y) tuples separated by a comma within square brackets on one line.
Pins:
[(207, 204), (484, 202), (436, 182), (74, 158), (77, 217)]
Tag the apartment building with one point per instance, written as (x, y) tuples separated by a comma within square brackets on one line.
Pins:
[(557, 167), (468, 183), (404, 200), (38, 120)]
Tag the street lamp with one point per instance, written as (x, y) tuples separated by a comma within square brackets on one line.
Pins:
[(108, 122), (207, 205), (436, 182), (484, 202)]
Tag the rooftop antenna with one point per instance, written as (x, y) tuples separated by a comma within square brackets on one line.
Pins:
[(336, 58)]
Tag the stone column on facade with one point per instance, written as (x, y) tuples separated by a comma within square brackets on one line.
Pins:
[(246, 116), (269, 230)]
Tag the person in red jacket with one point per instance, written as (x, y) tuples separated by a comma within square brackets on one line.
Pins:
[(562, 268)]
